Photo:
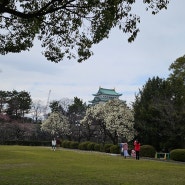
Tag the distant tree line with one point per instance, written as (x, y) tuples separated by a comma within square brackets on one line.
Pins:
[(109, 122), (157, 116)]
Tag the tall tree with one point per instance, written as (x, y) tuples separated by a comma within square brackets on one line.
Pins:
[(13, 106), (119, 120), (76, 112), (57, 125), (178, 69), (94, 124), (66, 27), (157, 114), (56, 107), (24, 102), (3, 100), (146, 112), (114, 118), (77, 107), (177, 80), (19, 103), (61, 106)]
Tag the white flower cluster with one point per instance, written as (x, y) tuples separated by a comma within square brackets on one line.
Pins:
[(56, 124), (115, 115)]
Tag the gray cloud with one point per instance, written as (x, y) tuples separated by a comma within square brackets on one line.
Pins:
[(115, 64)]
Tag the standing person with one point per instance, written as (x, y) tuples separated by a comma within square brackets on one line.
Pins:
[(58, 143), (125, 150), (137, 148), (53, 143)]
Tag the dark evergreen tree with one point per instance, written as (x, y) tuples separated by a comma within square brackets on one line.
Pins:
[(3, 100), (55, 106), (19, 103), (76, 112), (159, 114)]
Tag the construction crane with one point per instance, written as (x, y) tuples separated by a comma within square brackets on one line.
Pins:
[(47, 104)]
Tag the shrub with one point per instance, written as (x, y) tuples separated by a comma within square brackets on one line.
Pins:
[(66, 144), (90, 146), (107, 148), (147, 151), (74, 145), (115, 149), (102, 148), (178, 155), (83, 145), (97, 147)]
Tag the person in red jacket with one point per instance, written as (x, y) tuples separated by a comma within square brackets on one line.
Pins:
[(137, 148)]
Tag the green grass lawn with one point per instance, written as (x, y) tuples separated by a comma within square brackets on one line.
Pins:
[(20, 165)]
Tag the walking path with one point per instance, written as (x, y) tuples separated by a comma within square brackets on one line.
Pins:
[(103, 153)]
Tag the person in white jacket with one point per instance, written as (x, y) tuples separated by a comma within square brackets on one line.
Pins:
[(53, 144)]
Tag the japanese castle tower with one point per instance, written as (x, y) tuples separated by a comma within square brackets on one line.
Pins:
[(104, 95)]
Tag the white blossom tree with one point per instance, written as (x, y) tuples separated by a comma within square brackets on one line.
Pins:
[(56, 125), (94, 120), (114, 117), (119, 120)]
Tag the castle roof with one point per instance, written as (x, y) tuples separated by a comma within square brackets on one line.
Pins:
[(103, 91), (104, 95)]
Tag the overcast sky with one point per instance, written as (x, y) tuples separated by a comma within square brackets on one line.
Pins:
[(115, 64)]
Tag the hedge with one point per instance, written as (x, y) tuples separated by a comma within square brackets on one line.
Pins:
[(178, 155), (147, 151)]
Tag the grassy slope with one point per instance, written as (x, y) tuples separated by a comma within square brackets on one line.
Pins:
[(21, 165)]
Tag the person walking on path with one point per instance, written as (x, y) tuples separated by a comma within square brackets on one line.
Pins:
[(53, 143), (137, 148)]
